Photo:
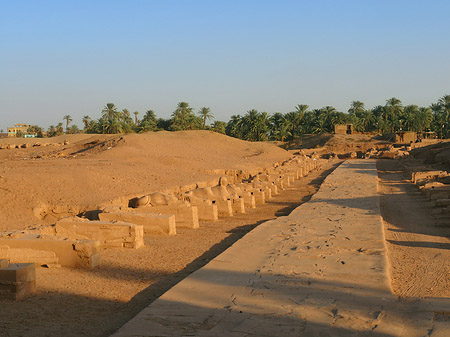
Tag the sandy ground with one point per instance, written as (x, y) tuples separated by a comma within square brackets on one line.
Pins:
[(320, 271), (40, 184), (417, 239), (75, 302)]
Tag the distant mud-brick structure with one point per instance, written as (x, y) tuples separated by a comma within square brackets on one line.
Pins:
[(405, 137), (343, 129)]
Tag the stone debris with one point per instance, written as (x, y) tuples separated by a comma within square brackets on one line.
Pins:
[(69, 253)]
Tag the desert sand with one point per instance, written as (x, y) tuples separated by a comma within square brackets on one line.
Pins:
[(81, 173), (41, 184)]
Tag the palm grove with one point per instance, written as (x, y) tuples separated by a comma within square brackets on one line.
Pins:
[(391, 117)]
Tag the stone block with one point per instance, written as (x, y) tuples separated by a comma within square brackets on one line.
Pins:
[(27, 255), (4, 263), (151, 222), (185, 216), (224, 207), (442, 202), (70, 253), (17, 281), (438, 193), (4, 252), (238, 205), (260, 196), (249, 200), (108, 233), (427, 175), (207, 212)]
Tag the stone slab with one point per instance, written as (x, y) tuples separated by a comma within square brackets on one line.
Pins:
[(207, 212), (70, 253), (185, 216), (163, 223), (108, 233)]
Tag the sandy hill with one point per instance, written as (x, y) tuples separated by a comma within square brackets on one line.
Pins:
[(39, 184), (436, 155)]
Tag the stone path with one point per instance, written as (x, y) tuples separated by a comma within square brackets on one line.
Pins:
[(321, 271)]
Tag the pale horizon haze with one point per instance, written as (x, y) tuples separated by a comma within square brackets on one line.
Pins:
[(62, 58)]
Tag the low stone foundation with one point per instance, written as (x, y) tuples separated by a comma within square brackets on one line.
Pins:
[(152, 223), (109, 234), (70, 253)]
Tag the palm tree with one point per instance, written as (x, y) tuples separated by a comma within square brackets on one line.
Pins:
[(68, 119), (409, 116), (86, 120), (125, 115), (181, 115), (423, 119), (109, 118), (394, 108), (136, 113), (356, 107), (319, 122), (439, 117), (59, 129), (276, 120), (255, 125), (148, 122), (110, 111), (444, 102), (235, 126), (219, 127), (296, 122), (205, 113), (283, 132)]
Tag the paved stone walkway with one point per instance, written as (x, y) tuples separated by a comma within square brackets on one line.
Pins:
[(321, 271)]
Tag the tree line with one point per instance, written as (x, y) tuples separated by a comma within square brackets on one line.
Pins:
[(391, 117)]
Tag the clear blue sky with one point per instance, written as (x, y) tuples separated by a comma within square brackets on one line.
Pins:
[(72, 57)]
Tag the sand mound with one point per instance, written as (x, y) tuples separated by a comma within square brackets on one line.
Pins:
[(436, 155), (40, 184)]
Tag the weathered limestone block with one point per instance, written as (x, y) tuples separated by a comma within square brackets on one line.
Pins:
[(207, 212), (436, 191), (27, 255), (224, 207), (260, 196), (109, 234), (17, 281), (439, 193), (152, 223), (70, 253), (185, 216), (4, 252), (427, 175), (442, 202), (249, 200), (238, 205), (4, 263)]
